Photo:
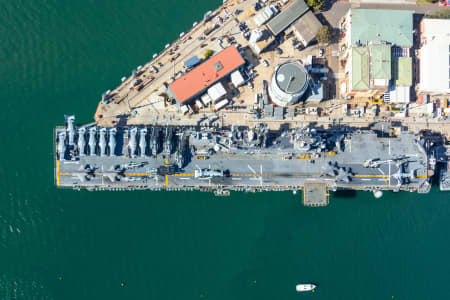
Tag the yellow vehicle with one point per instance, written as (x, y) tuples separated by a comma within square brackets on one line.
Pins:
[(376, 100), (394, 109), (332, 153), (174, 57), (202, 157)]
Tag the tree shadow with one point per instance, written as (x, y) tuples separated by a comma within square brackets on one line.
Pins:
[(327, 5)]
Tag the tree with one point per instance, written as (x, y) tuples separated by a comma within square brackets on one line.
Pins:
[(324, 35), (207, 53), (440, 14), (315, 4)]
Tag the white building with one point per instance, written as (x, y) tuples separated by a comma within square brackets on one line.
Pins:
[(237, 79), (434, 56), (288, 83), (260, 40), (264, 15), (216, 92)]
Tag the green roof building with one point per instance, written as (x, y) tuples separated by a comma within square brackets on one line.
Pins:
[(392, 26), (360, 68), (380, 61), (402, 69), (371, 67)]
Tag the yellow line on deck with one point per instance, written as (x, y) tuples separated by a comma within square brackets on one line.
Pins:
[(370, 175), (180, 174), (57, 172), (167, 180), (422, 176), (266, 175), (306, 175), (251, 175), (138, 174)]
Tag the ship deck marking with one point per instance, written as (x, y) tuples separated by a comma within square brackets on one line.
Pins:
[(57, 172)]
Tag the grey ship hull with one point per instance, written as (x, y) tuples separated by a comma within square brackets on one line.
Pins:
[(256, 161), (444, 180)]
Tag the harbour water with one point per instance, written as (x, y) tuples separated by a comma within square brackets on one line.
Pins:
[(58, 58)]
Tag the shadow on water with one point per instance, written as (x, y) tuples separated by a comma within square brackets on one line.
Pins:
[(344, 194)]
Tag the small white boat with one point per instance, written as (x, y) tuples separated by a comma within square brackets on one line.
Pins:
[(305, 287)]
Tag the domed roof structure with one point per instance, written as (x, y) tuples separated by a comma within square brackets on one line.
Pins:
[(288, 83)]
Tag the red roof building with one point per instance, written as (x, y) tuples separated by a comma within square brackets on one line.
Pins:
[(209, 72)]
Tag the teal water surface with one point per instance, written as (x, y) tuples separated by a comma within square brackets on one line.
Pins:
[(56, 58)]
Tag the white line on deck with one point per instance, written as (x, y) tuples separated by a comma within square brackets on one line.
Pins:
[(251, 169), (260, 178), (71, 162), (381, 171), (184, 178), (234, 178), (389, 169), (365, 179)]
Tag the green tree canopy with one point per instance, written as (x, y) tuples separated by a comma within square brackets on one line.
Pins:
[(440, 14), (315, 4), (324, 35), (207, 53)]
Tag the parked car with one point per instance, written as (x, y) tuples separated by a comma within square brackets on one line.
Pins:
[(279, 51), (321, 52), (201, 38), (250, 84), (265, 63), (243, 27)]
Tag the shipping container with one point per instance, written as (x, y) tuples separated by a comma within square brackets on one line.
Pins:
[(430, 108), (199, 103), (221, 104)]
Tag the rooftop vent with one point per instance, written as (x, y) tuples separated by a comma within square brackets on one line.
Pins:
[(217, 66)]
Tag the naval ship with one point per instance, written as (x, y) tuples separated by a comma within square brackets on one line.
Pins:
[(252, 159)]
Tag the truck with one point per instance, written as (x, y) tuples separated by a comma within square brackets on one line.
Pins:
[(221, 104), (210, 29), (199, 103), (144, 83), (174, 57), (256, 98)]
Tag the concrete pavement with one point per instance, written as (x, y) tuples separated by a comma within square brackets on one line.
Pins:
[(339, 9)]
